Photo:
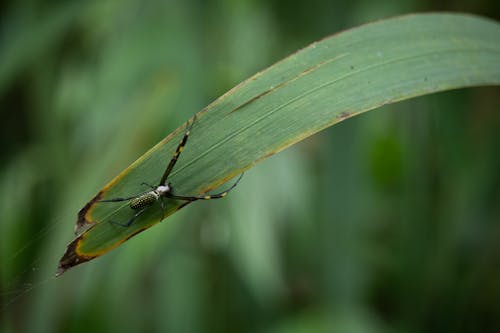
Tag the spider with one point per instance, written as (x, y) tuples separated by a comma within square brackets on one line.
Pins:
[(142, 201)]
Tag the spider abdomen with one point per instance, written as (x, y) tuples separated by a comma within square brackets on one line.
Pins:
[(144, 200)]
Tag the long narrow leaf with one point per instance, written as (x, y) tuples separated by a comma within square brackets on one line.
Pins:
[(327, 82)]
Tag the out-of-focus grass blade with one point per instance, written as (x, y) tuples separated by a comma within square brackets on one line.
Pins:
[(331, 80)]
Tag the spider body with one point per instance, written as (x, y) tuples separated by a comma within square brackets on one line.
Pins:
[(144, 200), (141, 202), (149, 198)]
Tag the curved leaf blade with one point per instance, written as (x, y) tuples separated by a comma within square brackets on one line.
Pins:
[(329, 81)]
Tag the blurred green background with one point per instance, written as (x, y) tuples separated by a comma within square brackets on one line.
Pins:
[(388, 222)]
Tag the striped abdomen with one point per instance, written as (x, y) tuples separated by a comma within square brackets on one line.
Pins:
[(144, 200)]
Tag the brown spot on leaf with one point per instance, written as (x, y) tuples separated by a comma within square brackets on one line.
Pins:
[(82, 223), (241, 106), (344, 115), (71, 258), (285, 83)]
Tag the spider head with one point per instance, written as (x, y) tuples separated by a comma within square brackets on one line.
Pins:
[(162, 189)]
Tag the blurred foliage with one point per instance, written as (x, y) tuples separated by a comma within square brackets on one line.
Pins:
[(86, 87)]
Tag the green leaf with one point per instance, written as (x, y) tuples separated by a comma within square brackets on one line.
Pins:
[(329, 81)]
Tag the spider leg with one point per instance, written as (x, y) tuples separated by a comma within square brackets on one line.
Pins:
[(118, 199), (132, 219), (177, 152), (162, 205), (207, 196), (149, 185), (123, 199)]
